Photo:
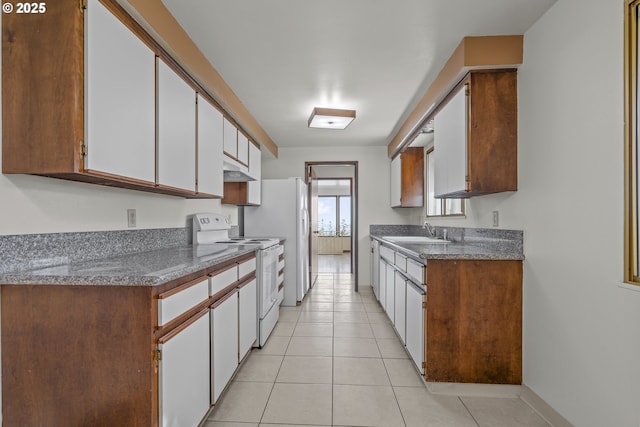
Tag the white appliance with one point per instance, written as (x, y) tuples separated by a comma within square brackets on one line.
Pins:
[(210, 231), (284, 213)]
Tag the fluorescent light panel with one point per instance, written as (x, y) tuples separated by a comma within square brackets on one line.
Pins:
[(331, 118)]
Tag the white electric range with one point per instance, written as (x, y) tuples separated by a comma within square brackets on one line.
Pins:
[(211, 229)]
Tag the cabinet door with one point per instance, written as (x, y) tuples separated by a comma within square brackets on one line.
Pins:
[(415, 326), (176, 130), (224, 343), (248, 317), (389, 305), (243, 149), (450, 145), (120, 98), (400, 305), (230, 139), (382, 282), (183, 375), (255, 170), (210, 141), (396, 191)]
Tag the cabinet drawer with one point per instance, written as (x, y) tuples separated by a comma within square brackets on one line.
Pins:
[(400, 261), (175, 304), (387, 253), (222, 279), (280, 250), (246, 267), (415, 270)]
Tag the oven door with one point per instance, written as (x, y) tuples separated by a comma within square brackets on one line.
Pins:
[(268, 274)]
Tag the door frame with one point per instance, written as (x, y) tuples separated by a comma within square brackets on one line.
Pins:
[(308, 165)]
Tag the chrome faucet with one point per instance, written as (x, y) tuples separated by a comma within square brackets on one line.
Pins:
[(430, 229)]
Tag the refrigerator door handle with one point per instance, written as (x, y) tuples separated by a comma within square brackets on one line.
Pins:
[(305, 223)]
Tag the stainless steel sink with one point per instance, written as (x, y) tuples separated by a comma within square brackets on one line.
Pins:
[(414, 239)]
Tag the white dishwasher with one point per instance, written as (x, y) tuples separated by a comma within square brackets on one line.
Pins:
[(414, 332)]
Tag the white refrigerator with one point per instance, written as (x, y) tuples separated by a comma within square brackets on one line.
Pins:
[(283, 213)]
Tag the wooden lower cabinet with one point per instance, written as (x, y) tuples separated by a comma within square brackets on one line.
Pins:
[(473, 321), (78, 356), (117, 355)]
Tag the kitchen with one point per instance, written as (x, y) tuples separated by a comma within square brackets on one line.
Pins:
[(580, 322)]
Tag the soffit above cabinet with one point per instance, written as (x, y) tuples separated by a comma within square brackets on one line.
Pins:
[(155, 18), (473, 53), (282, 58)]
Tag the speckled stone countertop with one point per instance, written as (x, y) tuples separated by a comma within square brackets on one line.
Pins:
[(465, 243), (149, 268), (147, 257)]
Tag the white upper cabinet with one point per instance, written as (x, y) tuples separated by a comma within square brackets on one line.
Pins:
[(230, 139), (176, 130), (396, 184), (243, 148), (120, 98), (450, 145), (210, 141), (254, 196)]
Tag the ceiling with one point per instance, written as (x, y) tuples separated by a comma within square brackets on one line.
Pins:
[(378, 57)]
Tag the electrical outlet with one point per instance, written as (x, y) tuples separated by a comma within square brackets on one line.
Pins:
[(496, 218), (131, 218)]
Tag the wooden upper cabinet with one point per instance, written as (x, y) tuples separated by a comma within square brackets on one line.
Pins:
[(230, 139), (243, 149), (407, 179), (120, 98), (78, 97), (176, 130), (475, 136), (210, 123), (254, 190), (248, 193)]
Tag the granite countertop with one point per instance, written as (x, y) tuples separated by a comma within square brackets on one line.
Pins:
[(150, 268), (476, 249)]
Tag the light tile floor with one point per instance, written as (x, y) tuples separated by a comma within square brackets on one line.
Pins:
[(336, 361)]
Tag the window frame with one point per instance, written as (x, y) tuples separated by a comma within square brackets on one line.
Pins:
[(632, 109), (443, 202), (337, 204)]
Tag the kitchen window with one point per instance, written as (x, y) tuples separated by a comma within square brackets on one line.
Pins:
[(334, 215), (632, 110), (440, 207)]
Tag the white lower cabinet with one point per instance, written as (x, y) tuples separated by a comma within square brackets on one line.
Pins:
[(400, 305), (224, 342), (382, 282), (415, 325), (389, 306), (184, 374), (247, 317), (402, 299)]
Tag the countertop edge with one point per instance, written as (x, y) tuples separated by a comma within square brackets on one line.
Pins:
[(482, 252), (26, 278)]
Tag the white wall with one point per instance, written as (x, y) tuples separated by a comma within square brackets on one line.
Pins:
[(373, 188), (581, 325), (34, 204)]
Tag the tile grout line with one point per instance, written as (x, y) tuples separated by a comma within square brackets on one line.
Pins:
[(468, 411)]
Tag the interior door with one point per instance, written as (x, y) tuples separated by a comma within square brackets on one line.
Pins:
[(313, 225)]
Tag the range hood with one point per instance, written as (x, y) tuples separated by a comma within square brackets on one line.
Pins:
[(234, 171)]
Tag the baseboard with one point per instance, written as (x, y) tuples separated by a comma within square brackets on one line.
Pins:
[(469, 389), (543, 408), (523, 392)]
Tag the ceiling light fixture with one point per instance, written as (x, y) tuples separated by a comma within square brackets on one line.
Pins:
[(331, 118)]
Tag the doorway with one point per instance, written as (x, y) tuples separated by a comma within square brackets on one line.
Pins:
[(333, 243)]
